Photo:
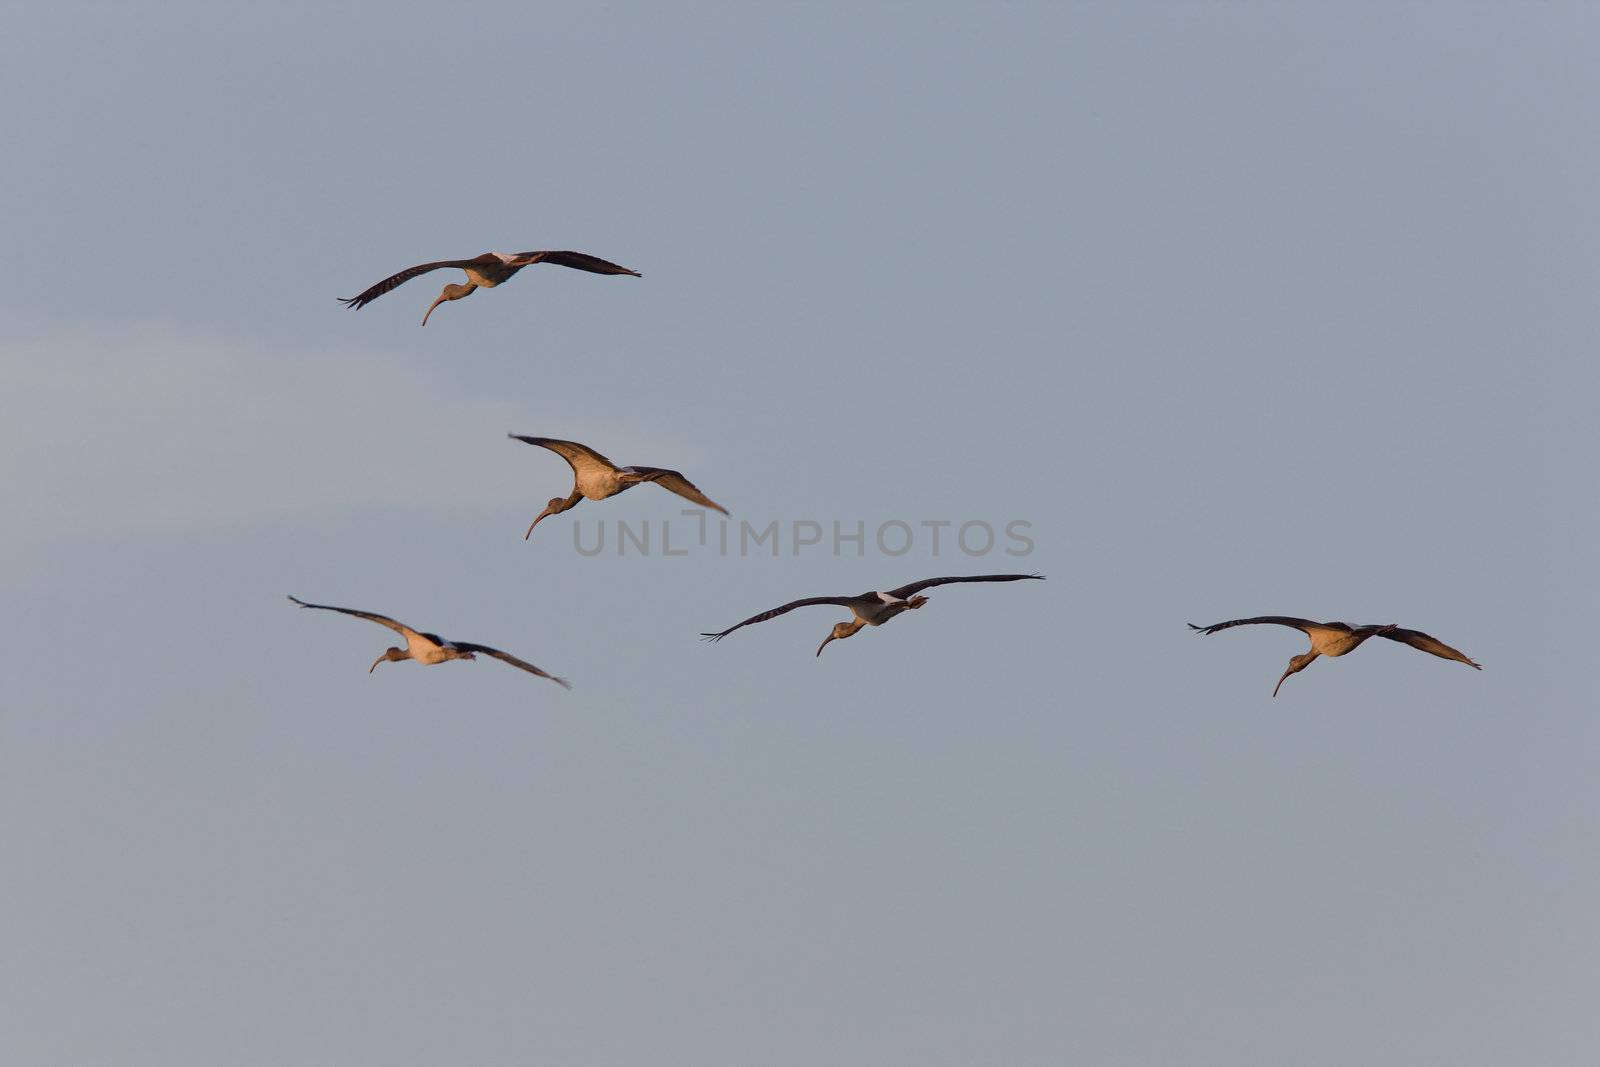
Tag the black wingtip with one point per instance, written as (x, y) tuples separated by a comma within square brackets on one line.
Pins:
[(297, 600), (713, 638), (1196, 629)]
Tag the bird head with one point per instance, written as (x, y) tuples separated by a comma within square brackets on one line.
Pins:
[(841, 630), (451, 292), (390, 654), (1299, 663), (555, 507)]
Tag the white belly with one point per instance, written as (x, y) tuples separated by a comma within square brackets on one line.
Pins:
[(1334, 642), (426, 651), (597, 485)]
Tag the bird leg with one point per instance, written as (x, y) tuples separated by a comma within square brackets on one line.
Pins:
[(916, 602), (451, 292)]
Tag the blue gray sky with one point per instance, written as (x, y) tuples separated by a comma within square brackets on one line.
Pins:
[(1242, 309)]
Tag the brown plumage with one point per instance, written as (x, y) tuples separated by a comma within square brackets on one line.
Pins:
[(431, 648), (596, 477), (1338, 638), (871, 608), (486, 271)]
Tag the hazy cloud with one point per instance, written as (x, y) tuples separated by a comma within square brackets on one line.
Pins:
[(162, 429)]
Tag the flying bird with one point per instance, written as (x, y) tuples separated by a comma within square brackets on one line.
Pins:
[(488, 271), (596, 477), (1338, 638), (431, 648), (870, 608)]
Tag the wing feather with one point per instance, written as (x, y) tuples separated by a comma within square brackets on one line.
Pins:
[(382, 620), (840, 601), (677, 483), (577, 261), (506, 657), (1280, 620), (1419, 640), (584, 461), (401, 278), (928, 583)]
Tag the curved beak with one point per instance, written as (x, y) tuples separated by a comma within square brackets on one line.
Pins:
[(436, 303), (377, 661), (824, 644), (1280, 681), (546, 513)]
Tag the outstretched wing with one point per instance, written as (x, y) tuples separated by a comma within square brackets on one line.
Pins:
[(1419, 640), (928, 583), (676, 482), (840, 601), (585, 461), (507, 657), (1280, 620), (400, 279), (577, 261), (382, 620)]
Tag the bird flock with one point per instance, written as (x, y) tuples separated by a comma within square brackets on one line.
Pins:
[(596, 478)]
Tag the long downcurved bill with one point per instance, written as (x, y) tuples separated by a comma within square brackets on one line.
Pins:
[(436, 303), (377, 661), (1291, 670), (546, 513), (824, 644)]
